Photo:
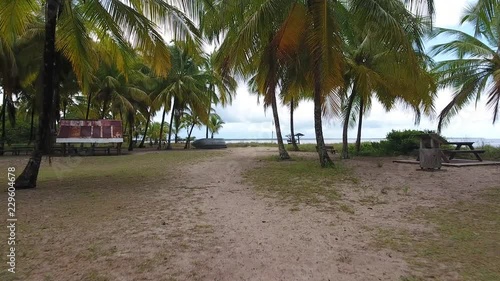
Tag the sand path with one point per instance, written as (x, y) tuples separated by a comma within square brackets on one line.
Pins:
[(256, 238)]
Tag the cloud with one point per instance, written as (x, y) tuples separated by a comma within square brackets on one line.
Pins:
[(449, 13)]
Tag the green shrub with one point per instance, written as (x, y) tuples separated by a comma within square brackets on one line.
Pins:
[(403, 142), (18, 134), (491, 152), (368, 149)]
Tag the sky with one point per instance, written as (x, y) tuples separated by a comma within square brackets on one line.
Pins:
[(246, 119)]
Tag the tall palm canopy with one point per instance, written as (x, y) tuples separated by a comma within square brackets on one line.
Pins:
[(475, 71), (265, 38), (120, 26)]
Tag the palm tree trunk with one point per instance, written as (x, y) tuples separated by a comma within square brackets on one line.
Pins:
[(169, 142), (4, 106), (292, 132), (360, 124), (131, 128), (88, 106), (65, 105), (145, 130), (104, 109), (345, 144), (177, 125), (28, 177), (282, 151), (32, 125), (209, 111), (324, 159), (188, 141), (161, 127)]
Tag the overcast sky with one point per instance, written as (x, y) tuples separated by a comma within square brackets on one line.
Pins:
[(246, 119)]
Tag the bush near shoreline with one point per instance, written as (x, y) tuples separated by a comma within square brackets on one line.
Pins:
[(397, 143)]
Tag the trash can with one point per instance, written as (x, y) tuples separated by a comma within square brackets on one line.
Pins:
[(430, 151), (430, 158)]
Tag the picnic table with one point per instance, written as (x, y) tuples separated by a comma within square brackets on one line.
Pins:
[(90, 150), (451, 153), (430, 147)]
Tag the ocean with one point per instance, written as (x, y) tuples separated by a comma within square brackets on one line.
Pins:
[(477, 141)]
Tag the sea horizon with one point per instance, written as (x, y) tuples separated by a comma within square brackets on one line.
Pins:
[(477, 141)]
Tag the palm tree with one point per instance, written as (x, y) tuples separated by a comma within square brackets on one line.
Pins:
[(250, 52), (154, 132), (144, 79), (293, 86), (221, 86), (215, 124), (475, 70), (389, 75), (30, 174), (80, 22), (19, 65), (189, 120), (186, 85)]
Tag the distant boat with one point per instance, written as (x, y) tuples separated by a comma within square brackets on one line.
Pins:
[(209, 143)]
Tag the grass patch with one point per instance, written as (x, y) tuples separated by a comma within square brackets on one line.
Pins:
[(84, 206), (466, 239), (491, 152), (252, 144), (301, 181), (306, 147), (113, 170), (372, 200), (347, 208)]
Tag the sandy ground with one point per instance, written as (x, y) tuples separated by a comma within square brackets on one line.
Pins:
[(207, 223)]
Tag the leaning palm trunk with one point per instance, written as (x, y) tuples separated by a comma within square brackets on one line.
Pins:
[(28, 177), (282, 151), (169, 142), (324, 159), (88, 106), (188, 140), (161, 127), (292, 132), (145, 130), (360, 125), (345, 144)]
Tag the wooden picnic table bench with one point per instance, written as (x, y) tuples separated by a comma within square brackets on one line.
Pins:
[(458, 145), (89, 150), (329, 148)]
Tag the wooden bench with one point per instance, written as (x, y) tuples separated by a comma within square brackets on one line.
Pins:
[(329, 148), (453, 152), (13, 151), (107, 149), (16, 150)]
